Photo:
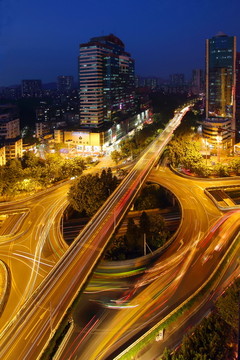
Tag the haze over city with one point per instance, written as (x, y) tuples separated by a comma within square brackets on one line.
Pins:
[(41, 40)]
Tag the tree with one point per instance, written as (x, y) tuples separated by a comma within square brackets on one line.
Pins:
[(127, 147), (109, 181), (116, 156), (227, 305), (210, 341), (166, 355), (221, 170), (149, 198), (144, 223), (117, 249), (132, 236), (87, 194), (30, 160), (12, 173), (235, 165), (158, 231)]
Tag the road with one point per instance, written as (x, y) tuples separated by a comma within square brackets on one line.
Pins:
[(29, 251), (29, 331), (170, 280)]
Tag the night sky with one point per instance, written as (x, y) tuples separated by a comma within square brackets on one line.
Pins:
[(39, 39)]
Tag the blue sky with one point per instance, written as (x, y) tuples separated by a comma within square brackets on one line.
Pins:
[(40, 39)]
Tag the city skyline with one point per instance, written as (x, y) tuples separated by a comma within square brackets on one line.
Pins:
[(163, 37)]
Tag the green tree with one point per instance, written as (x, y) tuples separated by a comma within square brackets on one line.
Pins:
[(109, 181), (116, 156), (117, 249), (87, 194), (221, 170), (235, 165), (127, 147), (54, 163), (210, 341), (166, 355), (158, 231), (132, 236), (144, 223), (30, 160), (148, 198), (228, 306), (12, 173)]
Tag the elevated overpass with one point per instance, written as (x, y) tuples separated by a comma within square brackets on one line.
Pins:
[(29, 332)]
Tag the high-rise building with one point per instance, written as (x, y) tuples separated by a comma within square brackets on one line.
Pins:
[(64, 84), (219, 126), (31, 88), (238, 98), (106, 77), (197, 81)]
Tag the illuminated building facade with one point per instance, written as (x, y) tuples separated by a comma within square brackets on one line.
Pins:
[(106, 77), (98, 140), (10, 138), (219, 125)]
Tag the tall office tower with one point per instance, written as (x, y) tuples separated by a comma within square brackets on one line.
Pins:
[(31, 88), (219, 125), (197, 81), (106, 77), (238, 98), (64, 84)]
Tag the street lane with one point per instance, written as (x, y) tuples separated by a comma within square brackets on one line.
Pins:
[(61, 286)]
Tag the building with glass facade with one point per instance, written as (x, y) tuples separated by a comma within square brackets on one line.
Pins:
[(106, 78), (219, 125)]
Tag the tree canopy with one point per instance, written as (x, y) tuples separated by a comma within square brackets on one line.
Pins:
[(89, 192)]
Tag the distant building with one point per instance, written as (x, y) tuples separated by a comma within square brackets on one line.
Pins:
[(219, 126), (10, 138), (9, 122), (238, 98), (10, 93), (176, 84), (177, 79), (31, 88), (198, 81), (106, 77), (64, 84)]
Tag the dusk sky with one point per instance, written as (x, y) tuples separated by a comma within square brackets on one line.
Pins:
[(40, 39)]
